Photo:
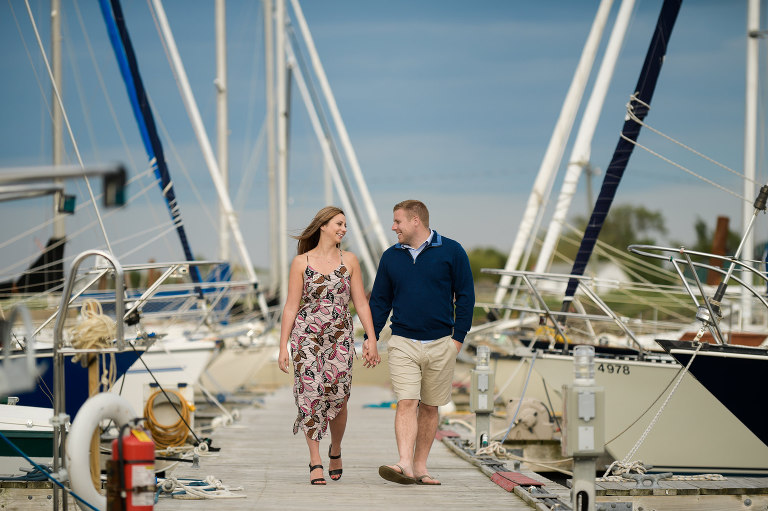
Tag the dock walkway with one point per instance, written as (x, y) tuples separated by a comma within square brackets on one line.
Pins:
[(260, 454)]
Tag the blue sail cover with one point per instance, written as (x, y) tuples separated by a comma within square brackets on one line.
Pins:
[(126, 59), (646, 84)]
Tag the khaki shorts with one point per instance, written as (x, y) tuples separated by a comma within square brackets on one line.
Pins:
[(422, 371)]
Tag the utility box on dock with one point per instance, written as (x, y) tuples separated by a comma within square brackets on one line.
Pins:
[(583, 421), (481, 396), (481, 390)]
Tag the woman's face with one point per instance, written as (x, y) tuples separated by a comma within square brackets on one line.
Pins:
[(336, 228)]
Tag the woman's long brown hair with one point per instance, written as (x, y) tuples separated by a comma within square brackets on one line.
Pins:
[(310, 236)]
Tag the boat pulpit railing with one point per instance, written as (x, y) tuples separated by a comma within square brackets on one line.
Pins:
[(18, 374), (709, 309), (206, 302), (534, 302), (69, 285), (166, 295), (60, 419)]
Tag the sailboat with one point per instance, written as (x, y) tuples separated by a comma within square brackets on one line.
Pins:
[(640, 424)]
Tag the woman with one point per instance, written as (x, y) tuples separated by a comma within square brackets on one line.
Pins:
[(316, 319)]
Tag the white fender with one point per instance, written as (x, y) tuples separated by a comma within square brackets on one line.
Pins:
[(94, 410)]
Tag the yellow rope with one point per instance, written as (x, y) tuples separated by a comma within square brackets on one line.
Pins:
[(167, 435)]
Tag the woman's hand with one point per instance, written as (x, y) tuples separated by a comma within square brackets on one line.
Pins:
[(283, 360), (370, 353)]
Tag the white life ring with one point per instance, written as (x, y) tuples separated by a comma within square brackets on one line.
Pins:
[(94, 410)]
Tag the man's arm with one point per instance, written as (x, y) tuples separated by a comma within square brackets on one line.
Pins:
[(464, 295), (381, 298)]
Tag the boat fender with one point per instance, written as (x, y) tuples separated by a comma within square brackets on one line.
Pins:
[(96, 409)]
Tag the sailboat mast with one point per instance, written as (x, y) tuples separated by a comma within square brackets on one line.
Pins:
[(222, 120), (59, 229), (556, 147), (581, 152), (282, 147), (205, 146), (640, 103), (269, 74), (346, 143), (750, 145), (330, 166)]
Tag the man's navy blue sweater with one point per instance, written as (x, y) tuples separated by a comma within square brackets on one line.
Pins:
[(421, 293)]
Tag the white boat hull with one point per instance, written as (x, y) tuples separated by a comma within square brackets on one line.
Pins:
[(174, 362), (22, 425), (695, 432)]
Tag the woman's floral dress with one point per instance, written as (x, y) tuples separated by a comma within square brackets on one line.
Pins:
[(322, 349)]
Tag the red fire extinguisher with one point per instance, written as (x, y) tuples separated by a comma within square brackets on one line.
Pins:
[(132, 485)]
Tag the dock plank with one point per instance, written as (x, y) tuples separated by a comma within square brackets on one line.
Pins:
[(260, 454)]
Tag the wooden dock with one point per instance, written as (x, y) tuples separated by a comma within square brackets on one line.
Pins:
[(263, 466), (260, 454)]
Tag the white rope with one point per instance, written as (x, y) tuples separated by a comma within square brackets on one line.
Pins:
[(697, 477), (498, 451), (208, 489), (624, 465), (95, 331)]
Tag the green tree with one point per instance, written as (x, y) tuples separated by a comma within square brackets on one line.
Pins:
[(705, 237), (625, 225), (485, 257)]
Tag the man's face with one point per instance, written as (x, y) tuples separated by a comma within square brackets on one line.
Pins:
[(404, 227)]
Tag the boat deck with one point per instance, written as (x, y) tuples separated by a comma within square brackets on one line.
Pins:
[(260, 454)]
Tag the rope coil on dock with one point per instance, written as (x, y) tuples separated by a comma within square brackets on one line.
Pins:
[(168, 435), (209, 488)]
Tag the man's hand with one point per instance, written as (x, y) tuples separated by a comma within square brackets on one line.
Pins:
[(371, 356)]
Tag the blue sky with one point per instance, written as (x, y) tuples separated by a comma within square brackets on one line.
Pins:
[(450, 102)]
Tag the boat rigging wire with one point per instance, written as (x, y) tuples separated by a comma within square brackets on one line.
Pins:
[(66, 122), (621, 465), (102, 85), (199, 441), (520, 402), (43, 471), (683, 168), (631, 115)]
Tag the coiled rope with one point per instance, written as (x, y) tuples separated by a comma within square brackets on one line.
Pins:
[(95, 331), (168, 435), (194, 489), (497, 450)]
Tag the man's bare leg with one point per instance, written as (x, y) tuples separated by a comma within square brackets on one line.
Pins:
[(406, 428), (428, 418)]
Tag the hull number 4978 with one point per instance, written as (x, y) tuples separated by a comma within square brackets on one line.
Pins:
[(613, 368)]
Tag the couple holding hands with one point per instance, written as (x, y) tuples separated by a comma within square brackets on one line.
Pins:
[(425, 281)]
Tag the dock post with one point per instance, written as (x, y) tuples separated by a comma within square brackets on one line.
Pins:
[(481, 396), (583, 430)]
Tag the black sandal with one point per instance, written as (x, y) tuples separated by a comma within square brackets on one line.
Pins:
[(318, 480), (336, 472)]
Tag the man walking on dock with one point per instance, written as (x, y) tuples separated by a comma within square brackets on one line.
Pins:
[(426, 282)]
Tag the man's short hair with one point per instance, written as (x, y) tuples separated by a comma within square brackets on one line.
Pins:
[(414, 208)]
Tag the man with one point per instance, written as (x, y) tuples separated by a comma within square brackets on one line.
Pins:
[(426, 282)]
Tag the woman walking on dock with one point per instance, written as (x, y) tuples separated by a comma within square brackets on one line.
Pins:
[(316, 319)]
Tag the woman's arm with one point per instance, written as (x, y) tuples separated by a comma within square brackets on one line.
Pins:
[(291, 308), (370, 351)]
